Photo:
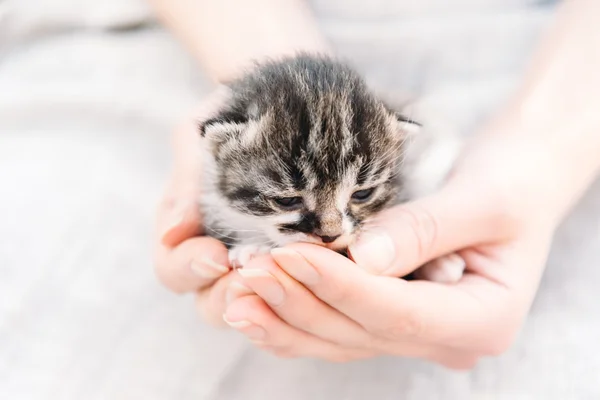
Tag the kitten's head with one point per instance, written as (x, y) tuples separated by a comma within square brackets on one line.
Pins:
[(305, 150)]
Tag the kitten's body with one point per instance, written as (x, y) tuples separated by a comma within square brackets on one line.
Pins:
[(303, 151)]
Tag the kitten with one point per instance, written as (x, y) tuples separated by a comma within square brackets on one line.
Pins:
[(304, 152)]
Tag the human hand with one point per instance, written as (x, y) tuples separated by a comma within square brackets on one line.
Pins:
[(186, 261), (498, 214)]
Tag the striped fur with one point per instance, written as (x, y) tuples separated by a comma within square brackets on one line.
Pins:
[(305, 127)]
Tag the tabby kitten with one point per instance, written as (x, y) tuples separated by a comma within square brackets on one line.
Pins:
[(304, 152)]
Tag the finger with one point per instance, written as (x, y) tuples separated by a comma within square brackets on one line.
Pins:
[(295, 305), (212, 300), (302, 310), (446, 269), (253, 317), (256, 320), (179, 212), (178, 219), (401, 239), (186, 141), (200, 261), (464, 315), (461, 362), (194, 264)]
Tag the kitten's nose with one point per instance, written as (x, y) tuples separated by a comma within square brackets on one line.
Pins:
[(329, 239)]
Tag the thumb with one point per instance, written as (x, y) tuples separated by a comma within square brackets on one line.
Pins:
[(179, 215), (402, 238)]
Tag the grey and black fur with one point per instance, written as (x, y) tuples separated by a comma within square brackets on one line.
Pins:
[(304, 151)]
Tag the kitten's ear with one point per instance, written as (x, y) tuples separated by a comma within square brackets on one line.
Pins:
[(405, 120), (408, 125), (222, 125), (402, 111)]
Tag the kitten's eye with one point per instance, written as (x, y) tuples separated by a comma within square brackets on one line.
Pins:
[(289, 203), (362, 195)]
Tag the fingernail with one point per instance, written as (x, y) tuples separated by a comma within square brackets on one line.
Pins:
[(213, 264), (264, 284), (235, 291), (252, 331), (177, 215), (237, 324), (295, 265), (374, 251), (208, 268)]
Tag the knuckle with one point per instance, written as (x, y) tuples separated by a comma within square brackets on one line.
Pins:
[(282, 352), (165, 277), (344, 356), (310, 318), (258, 308), (406, 326), (505, 211), (466, 363), (337, 292), (277, 349), (164, 207), (499, 341), (498, 346), (424, 226), (208, 313), (376, 343), (167, 202)]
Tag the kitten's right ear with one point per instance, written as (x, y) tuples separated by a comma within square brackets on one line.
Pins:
[(224, 122), (219, 114), (225, 126)]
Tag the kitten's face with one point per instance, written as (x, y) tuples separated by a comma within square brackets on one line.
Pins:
[(305, 153)]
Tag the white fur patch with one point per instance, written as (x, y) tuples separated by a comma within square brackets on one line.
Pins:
[(430, 154), (446, 269), (239, 256)]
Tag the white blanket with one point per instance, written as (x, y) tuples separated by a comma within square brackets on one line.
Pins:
[(88, 93)]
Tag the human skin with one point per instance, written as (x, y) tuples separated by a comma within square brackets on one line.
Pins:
[(187, 262), (513, 185)]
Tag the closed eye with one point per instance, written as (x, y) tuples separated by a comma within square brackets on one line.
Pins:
[(289, 203), (361, 196)]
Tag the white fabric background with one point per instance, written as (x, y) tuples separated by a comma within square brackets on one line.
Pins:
[(88, 93)]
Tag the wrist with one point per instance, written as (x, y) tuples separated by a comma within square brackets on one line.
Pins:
[(551, 162), (236, 65), (280, 29), (226, 36)]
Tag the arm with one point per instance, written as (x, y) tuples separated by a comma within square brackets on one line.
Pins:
[(532, 162), (558, 106), (225, 35), (500, 210)]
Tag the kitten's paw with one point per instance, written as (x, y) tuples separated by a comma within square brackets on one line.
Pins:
[(241, 255), (446, 269)]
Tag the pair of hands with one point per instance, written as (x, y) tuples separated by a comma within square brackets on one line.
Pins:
[(307, 301)]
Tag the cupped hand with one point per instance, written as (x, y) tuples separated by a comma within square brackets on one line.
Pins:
[(186, 261), (307, 301)]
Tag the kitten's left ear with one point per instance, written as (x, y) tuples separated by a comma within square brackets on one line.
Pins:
[(407, 125), (403, 112), (404, 120)]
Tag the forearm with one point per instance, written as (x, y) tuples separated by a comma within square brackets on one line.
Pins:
[(558, 108), (227, 35)]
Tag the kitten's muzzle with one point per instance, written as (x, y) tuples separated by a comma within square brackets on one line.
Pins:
[(328, 239)]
